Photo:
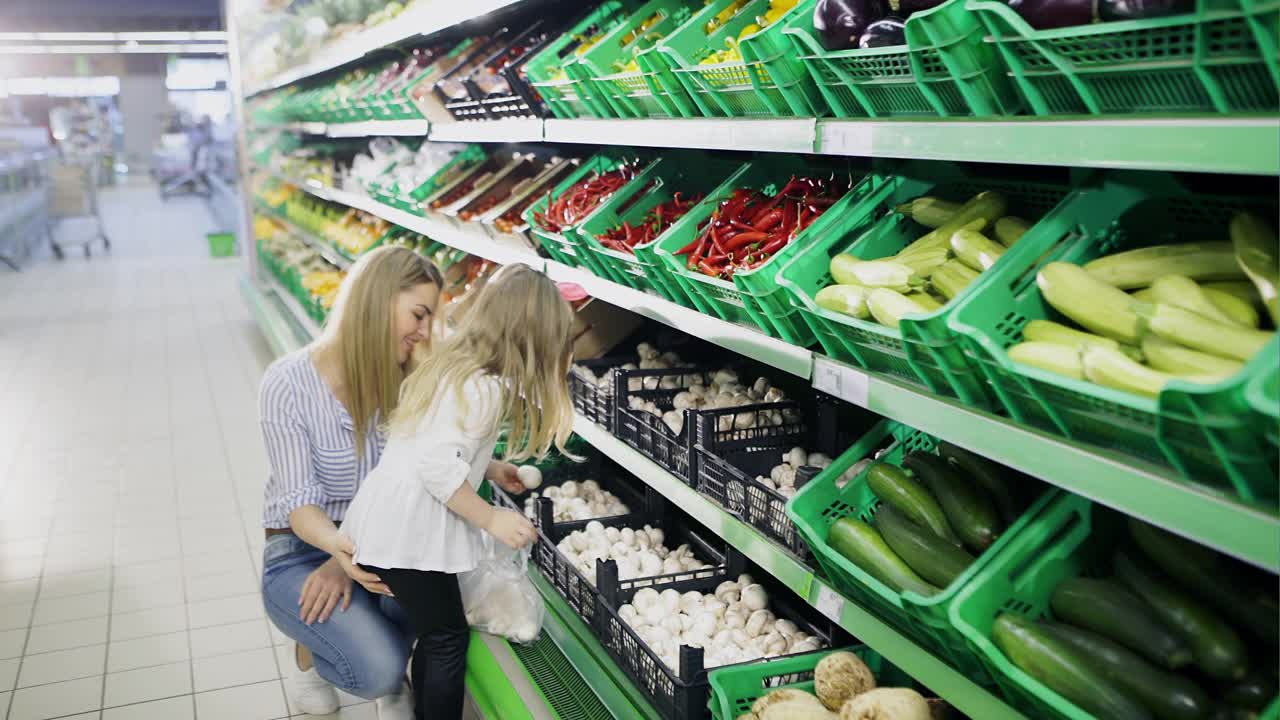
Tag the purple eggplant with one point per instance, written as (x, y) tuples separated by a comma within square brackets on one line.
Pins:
[(1137, 9), (840, 23), (904, 8), (884, 33), (1048, 14)]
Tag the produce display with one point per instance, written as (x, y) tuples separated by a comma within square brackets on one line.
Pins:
[(572, 500), (1151, 315), (782, 477), (1176, 631), (848, 24), (626, 237), (931, 271), (1049, 14), (844, 688), (577, 201), (731, 52), (639, 552), (732, 624), (749, 227)]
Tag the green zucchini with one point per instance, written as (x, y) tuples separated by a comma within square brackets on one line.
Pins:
[(895, 487), (1182, 291), (1207, 574), (1254, 243), (935, 559), (976, 250), (1253, 692), (864, 547), (848, 300), (1061, 668), (1137, 268), (977, 212), (1242, 311), (1215, 646), (1010, 229), (969, 511), (1199, 333), (1093, 304), (929, 211), (1168, 695), (987, 474), (1106, 607), (951, 278), (888, 307), (1061, 359)]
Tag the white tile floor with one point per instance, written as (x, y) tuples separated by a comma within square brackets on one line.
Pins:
[(131, 473)]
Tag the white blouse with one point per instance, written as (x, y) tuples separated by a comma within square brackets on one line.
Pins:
[(399, 517)]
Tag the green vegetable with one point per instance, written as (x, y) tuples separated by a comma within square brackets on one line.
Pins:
[(952, 277), (978, 212), (925, 262), (1215, 646), (849, 270), (1239, 289), (935, 559), (1169, 696), (1183, 292), (1091, 303), (889, 307), (929, 211), (1254, 245), (1010, 229), (1049, 331), (1059, 667), (1241, 311), (1199, 333), (969, 512), (989, 475), (1254, 692), (862, 545), (895, 487), (845, 299), (1114, 369), (1140, 267), (1175, 359), (975, 249), (924, 300), (1106, 607), (1061, 359)]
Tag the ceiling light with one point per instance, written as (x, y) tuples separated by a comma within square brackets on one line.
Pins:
[(159, 36), (17, 36), (76, 36)]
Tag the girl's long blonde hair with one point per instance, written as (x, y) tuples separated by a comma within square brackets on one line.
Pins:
[(361, 330), (519, 330)]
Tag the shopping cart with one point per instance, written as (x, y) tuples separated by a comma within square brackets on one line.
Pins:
[(73, 209)]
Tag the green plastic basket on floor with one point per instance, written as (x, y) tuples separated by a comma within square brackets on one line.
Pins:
[(1204, 432), (753, 297), (563, 246), (566, 96), (736, 687), (944, 69), (819, 504), (637, 93), (221, 244), (770, 81), (1221, 58), (685, 172), (922, 350)]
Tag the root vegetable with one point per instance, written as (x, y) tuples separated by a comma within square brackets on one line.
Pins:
[(887, 704), (841, 676), (784, 695)]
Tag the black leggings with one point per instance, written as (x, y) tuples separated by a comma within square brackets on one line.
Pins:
[(433, 604)]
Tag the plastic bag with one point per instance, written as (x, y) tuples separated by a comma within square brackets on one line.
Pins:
[(498, 595)]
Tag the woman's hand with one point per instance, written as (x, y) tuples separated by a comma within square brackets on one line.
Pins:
[(343, 552), (325, 588), (511, 528), (504, 475)]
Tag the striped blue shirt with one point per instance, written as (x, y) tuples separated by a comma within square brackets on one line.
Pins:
[(310, 441)]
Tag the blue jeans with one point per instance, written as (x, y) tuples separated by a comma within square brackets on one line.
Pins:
[(363, 651)]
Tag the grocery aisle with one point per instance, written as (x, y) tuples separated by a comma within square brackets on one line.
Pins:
[(131, 474)]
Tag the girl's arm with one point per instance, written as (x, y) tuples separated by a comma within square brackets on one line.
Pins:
[(508, 526)]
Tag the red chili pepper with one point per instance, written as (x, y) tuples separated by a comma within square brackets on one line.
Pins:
[(742, 240), (770, 219)]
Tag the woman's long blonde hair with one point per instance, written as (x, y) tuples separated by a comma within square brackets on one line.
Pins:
[(361, 330), (519, 330)]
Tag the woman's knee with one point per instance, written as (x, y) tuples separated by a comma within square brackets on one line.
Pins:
[(379, 672)]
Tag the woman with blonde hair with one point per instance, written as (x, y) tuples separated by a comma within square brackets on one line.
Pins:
[(321, 409), (417, 519)]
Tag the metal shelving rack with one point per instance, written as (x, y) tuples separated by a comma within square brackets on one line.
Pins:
[(1229, 145)]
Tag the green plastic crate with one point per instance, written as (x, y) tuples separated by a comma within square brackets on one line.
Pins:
[(684, 172), (563, 246), (639, 93), (568, 97), (922, 350), (1219, 59), (1263, 395), (944, 69), (1203, 432), (770, 80), (736, 687), (819, 504), (463, 162), (221, 244), (753, 297)]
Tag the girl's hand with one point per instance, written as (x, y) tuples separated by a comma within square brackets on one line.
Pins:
[(511, 528), (505, 476), (344, 552), (323, 590)]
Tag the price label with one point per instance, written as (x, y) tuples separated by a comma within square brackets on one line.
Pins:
[(830, 603), (841, 381)]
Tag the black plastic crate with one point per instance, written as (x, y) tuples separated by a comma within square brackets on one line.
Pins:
[(647, 433), (715, 433), (681, 693), (595, 401), (459, 102)]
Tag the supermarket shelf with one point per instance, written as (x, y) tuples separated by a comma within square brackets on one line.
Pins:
[(326, 249), (296, 312), (284, 333), (422, 18), (505, 130), (409, 128), (791, 135), (1147, 492), (968, 697)]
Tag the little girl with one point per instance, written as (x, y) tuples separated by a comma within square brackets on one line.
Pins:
[(416, 519)]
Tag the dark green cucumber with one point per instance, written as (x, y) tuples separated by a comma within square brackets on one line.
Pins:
[(990, 476), (1215, 646), (864, 547), (894, 486), (1108, 608), (1168, 695), (969, 512), (1254, 691), (935, 559), (1062, 669), (1217, 580)]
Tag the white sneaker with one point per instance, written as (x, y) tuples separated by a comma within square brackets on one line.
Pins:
[(309, 693), (398, 706)]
